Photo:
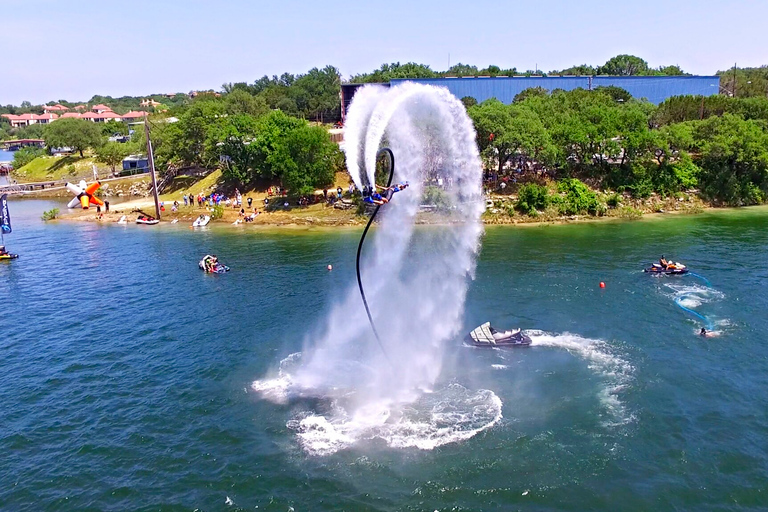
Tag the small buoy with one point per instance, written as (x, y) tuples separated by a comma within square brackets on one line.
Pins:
[(330, 267), (602, 284)]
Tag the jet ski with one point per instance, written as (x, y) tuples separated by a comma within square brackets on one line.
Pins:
[(145, 219), (671, 269), (8, 256), (487, 336), (202, 220), (218, 268)]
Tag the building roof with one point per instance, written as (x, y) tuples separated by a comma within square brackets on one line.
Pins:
[(71, 114), (101, 106), (134, 114)]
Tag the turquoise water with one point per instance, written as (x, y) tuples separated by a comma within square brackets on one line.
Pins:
[(127, 372)]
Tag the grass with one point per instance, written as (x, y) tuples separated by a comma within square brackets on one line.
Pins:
[(191, 185), (52, 168)]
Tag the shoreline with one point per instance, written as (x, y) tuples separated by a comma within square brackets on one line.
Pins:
[(319, 216)]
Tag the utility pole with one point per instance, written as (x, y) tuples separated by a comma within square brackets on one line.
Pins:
[(734, 80), (151, 158)]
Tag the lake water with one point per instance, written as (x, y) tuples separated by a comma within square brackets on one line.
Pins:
[(127, 372), (6, 156)]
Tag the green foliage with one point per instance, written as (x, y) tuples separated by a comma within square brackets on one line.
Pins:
[(578, 199), (613, 200), (529, 93), (217, 212), (395, 70), (532, 197), (617, 93), (50, 214), (624, 65), (112, 154), (113, 127), (77, 134), (25, 155), (733, 160), (468, 101)]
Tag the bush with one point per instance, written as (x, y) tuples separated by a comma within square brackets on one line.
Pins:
[(579, 199), (614, 200), (532, 197), (217, 212), (50, 214), (25, 155)]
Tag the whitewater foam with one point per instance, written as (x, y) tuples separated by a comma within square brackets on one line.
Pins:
[(415, 288), (601, 359)]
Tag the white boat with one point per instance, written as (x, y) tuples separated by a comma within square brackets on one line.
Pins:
[(123, 220), (202, 220)]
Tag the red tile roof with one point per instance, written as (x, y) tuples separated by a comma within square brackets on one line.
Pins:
[(71, 114), (134, 114)]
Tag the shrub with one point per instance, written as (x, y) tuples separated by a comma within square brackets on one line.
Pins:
[(579, 199), (50, 214), (217, 212), (532, 197), (614, 200)]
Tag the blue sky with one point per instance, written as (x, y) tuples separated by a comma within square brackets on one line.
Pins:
[(55, 49)]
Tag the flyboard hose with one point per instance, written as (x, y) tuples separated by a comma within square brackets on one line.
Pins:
[(360, 249), (678, 301)]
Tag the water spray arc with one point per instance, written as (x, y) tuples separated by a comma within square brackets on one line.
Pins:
[(391, 161)]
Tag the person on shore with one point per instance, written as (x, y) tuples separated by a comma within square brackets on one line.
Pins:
[(325, 194), (185, 199), (250, 200)]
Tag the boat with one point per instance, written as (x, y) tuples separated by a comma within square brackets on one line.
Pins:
[(487, 336), (218, 268), (669, 270), (201, 221), (123, 220), (145, 219), (8, 256)]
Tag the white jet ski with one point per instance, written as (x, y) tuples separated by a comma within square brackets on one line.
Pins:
[(201, 221), (487, 336)]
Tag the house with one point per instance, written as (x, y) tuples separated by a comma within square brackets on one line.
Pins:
[(134, 164), (100, 108), (150, 103), (54, 109), (29, 119), (133, 115)]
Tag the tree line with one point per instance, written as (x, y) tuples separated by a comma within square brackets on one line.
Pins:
[(716, 144)]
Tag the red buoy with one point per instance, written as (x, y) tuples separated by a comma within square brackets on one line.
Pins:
[(602, 284)]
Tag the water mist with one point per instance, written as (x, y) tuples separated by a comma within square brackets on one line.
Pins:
[(416, 285)]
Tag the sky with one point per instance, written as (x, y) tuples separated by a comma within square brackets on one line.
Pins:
[(74, 49)]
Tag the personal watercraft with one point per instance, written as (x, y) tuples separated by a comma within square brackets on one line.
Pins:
[(218, 268), (671, 269), (144, 219), (487, 336), (202, 220), (8, 256)]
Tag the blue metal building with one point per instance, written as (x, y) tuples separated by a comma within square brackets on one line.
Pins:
[(653, 88)]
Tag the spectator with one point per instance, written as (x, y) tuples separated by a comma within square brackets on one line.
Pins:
[(339, 191), (250, 200)]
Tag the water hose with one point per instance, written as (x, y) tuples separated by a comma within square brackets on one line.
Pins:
[(678, 300), (360, 249), (706, 281)]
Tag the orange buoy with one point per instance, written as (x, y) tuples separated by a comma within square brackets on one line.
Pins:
[(602, 284)]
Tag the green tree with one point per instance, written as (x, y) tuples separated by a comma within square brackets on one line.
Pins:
[(733, 160), (462, 70), (25, 155), (237, 153), (624, 65), (468, 101), (240, 101), (77, 134), (112, 154), (617, 93)]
